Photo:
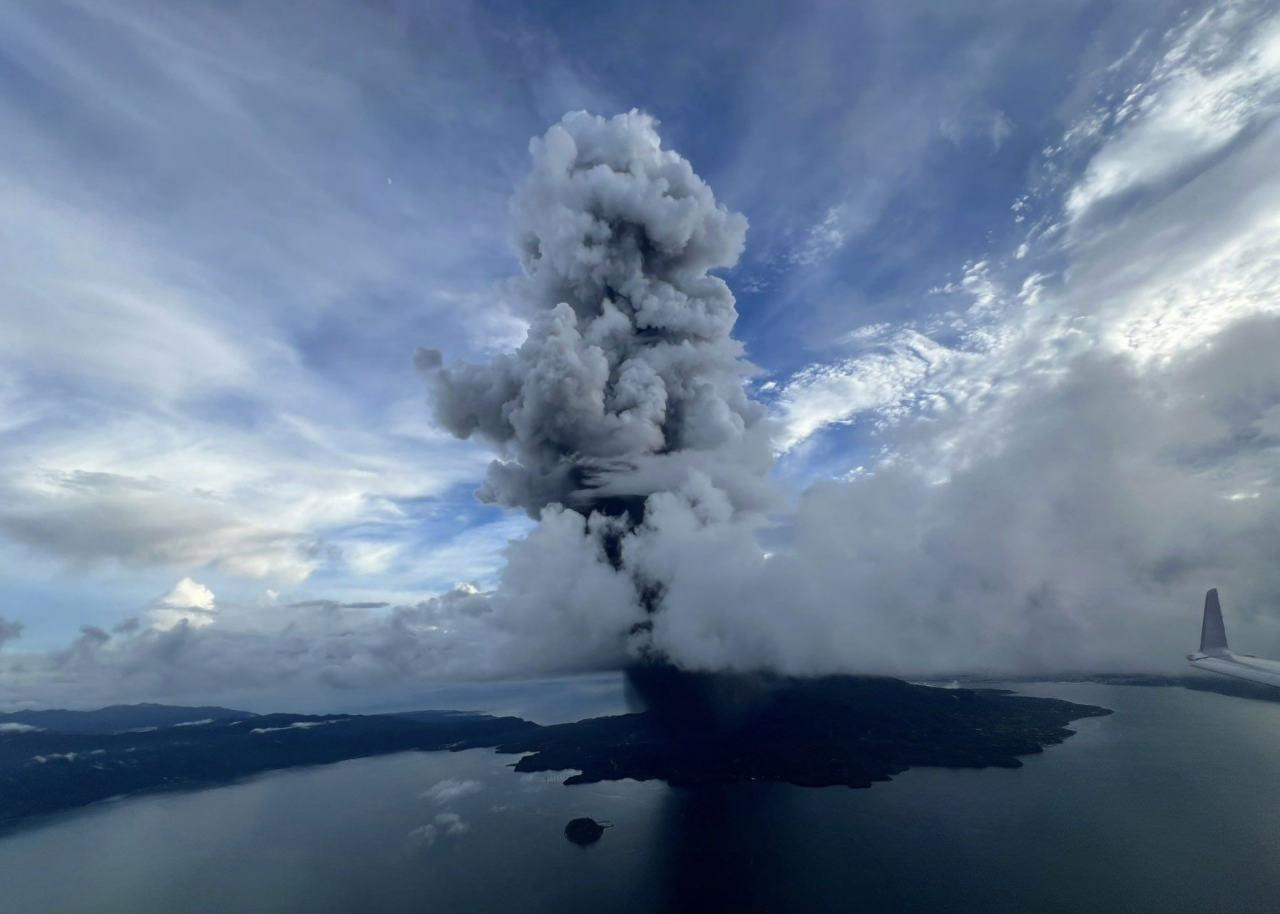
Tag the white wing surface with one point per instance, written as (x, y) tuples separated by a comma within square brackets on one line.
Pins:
[(1215, 656)]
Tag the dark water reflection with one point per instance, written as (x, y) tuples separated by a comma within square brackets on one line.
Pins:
[(1168, 805)]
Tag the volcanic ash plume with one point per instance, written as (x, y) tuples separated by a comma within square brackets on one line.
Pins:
[(629, 382), (629, 377)]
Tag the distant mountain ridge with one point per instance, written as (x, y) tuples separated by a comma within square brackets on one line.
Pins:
[(115, 752), (116, 718)]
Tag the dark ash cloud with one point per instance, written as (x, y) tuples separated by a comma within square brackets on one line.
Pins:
[(10, 630)]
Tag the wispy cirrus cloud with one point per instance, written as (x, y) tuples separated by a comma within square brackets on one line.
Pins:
[(1016, 293), (1217, 77), (216, 265)]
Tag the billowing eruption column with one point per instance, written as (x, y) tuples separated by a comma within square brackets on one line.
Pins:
[(629, 382)]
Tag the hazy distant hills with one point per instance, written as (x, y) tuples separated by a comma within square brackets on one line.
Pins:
[(119, 717), (123, 750)]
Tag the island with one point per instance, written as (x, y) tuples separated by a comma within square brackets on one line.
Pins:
[(698, 728), (716, 728)]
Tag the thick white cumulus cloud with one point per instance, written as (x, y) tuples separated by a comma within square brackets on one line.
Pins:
[(190, 603)]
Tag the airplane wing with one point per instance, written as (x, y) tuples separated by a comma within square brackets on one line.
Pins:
[(1242, 666), (1215, 656)]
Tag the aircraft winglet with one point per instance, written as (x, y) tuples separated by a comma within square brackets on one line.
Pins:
[(1216, 657), (1213, 634)]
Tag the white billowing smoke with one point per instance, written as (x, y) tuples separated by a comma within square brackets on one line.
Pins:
[(629, 388), (629, 378), (1076, 527)]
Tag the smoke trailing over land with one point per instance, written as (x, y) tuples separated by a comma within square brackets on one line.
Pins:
[(626, 403)]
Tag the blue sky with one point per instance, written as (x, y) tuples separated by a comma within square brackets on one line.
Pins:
[(225, 228)]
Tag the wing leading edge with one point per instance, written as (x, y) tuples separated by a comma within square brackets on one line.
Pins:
[(1215, 656)]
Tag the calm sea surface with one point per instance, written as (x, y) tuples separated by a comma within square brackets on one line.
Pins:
[(1170, 804)]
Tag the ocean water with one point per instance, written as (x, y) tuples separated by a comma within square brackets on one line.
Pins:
[(1170, 804)]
